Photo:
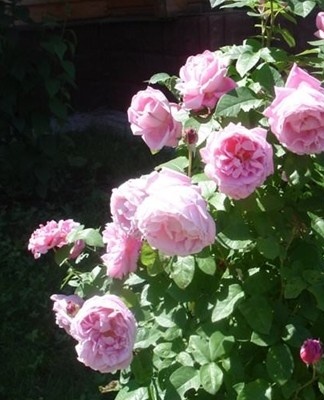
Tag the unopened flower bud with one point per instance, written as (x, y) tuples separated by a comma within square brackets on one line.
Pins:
[(77, 249), (190, 136), (72, 308), (311, 351)]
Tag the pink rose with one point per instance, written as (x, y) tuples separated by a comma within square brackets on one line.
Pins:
[(203, 80), (151, 116), (311, 351), (124, 201), (238, 159), (174, 218), (66, 308), (122, 251), (53, 234), (165, 178), (105, 329), (320, 25), (296, 115)]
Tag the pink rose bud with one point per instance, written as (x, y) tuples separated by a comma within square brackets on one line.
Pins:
[(77, 249), (66, 308), (190, 136), (320, 25), (311, 351)]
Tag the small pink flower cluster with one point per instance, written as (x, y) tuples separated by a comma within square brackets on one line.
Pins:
[(165, 209), (54, 234), (103, 326)]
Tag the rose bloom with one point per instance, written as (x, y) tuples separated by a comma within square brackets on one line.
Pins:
[(320, 25), (203, 80), (167, 177), (151, 116), (174, 219), (296, 116), (124, 201), (66, 308), (53, 234), (122, 251), (105, 329), (311, 351), (238, 159)]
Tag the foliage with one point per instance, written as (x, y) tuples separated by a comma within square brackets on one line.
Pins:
[(36, 73), (230, 320)]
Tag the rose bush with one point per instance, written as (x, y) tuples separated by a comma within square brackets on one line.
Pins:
[(210, 274)]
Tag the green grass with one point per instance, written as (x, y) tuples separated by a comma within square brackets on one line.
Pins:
[(37, 359)]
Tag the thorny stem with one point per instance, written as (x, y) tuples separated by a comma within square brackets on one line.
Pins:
[(313, 379)]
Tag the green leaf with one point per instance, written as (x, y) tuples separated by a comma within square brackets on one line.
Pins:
[(258, 313), (216, 3), (279, 363), (317, 223), (184, 379), (220, 345), (164, 350), (136, 394), (160, 77), (303, 8), (294, 286), (295, 333), (318, 293), (268, 247), (148, 255), (211, 377), (217, 200), (52, 86), (147, 336), (142, 367), (241, 98), (178, 164), (90, 236), (58, 108), (247, 61), (199, 349), (227, 301), (256, 390), (288, 37), (207, 265), (185, 359), (183, 271)]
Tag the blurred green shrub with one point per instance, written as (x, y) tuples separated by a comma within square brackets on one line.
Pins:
[(36, 74)]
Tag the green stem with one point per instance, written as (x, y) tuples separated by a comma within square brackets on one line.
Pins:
[(271, 26), (190, 159), (313, 379)]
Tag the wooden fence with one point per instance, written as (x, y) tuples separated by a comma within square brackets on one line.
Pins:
[(90, 9)]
